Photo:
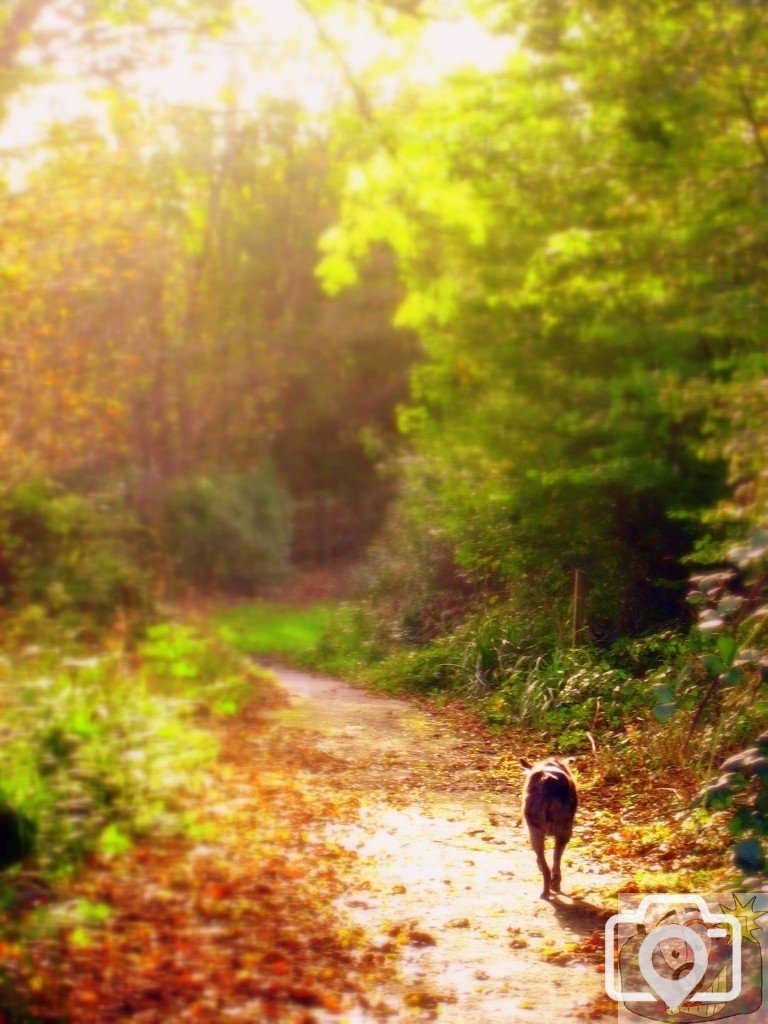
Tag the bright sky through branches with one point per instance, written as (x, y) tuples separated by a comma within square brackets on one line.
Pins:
[(275, 51)]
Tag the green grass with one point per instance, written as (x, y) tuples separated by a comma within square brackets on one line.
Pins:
[(275, 630), (328, 636)]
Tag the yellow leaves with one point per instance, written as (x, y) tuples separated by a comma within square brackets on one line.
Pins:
[(10, 950), (228, 96), (114, 410), (561, 954)]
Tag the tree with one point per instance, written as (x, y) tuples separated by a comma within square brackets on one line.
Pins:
[(581, 238), (161, 317)]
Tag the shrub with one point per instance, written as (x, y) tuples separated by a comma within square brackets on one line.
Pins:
[(415, 584), (204, 668), (71, 555), (91, 758), (733, 609), (473, 657), (230, 532), (509, 665), (97, 749)]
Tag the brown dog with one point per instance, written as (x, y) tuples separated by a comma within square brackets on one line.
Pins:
[(550, 800)]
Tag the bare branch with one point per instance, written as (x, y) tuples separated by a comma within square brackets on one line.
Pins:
[(361, 96), (13, 34), (409, 8)]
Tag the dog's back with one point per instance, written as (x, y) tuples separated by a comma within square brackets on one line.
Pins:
[(549, 805), (550, 799)]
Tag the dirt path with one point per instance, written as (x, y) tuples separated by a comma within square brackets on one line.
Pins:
[(444, 874), (351, 859)]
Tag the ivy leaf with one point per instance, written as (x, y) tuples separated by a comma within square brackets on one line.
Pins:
[(732, 677), (749, 854), (712, 664), (663, 712), (727, 647)]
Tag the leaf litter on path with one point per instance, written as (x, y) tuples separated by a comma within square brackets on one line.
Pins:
[(354, 863), (235, 926)]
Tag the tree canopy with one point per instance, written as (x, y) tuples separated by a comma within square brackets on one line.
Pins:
[(574, 238), (581, 239)]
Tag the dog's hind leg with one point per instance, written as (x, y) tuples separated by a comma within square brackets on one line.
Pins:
[(560, 844), (537, 842)]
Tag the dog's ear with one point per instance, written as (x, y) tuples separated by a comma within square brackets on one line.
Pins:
[(526, 764)]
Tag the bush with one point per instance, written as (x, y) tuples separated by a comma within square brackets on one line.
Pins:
[(97, 750), (509, 666), (732, 606), (415, 584), (92, 759), (472, 658), (230, 532), (70, 555)]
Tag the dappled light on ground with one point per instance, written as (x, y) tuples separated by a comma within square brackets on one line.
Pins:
[(443, 879)]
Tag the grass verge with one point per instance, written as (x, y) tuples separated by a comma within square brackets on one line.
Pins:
[(595, 705)]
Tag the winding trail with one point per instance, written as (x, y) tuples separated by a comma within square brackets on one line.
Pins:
[(443, 872)]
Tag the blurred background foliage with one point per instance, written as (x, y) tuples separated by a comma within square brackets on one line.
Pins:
[(476, 332)]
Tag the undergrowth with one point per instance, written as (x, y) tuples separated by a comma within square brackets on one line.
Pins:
[(98, 746)]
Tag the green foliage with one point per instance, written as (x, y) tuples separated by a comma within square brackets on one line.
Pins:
[(97, 748), (738, 434), (100, 761), (732, 608), (203, 667), (333, 638), (276, 630), (423, 669), (574, 692), (229, 532), (563, 240), (75, 557), (498, 661)]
